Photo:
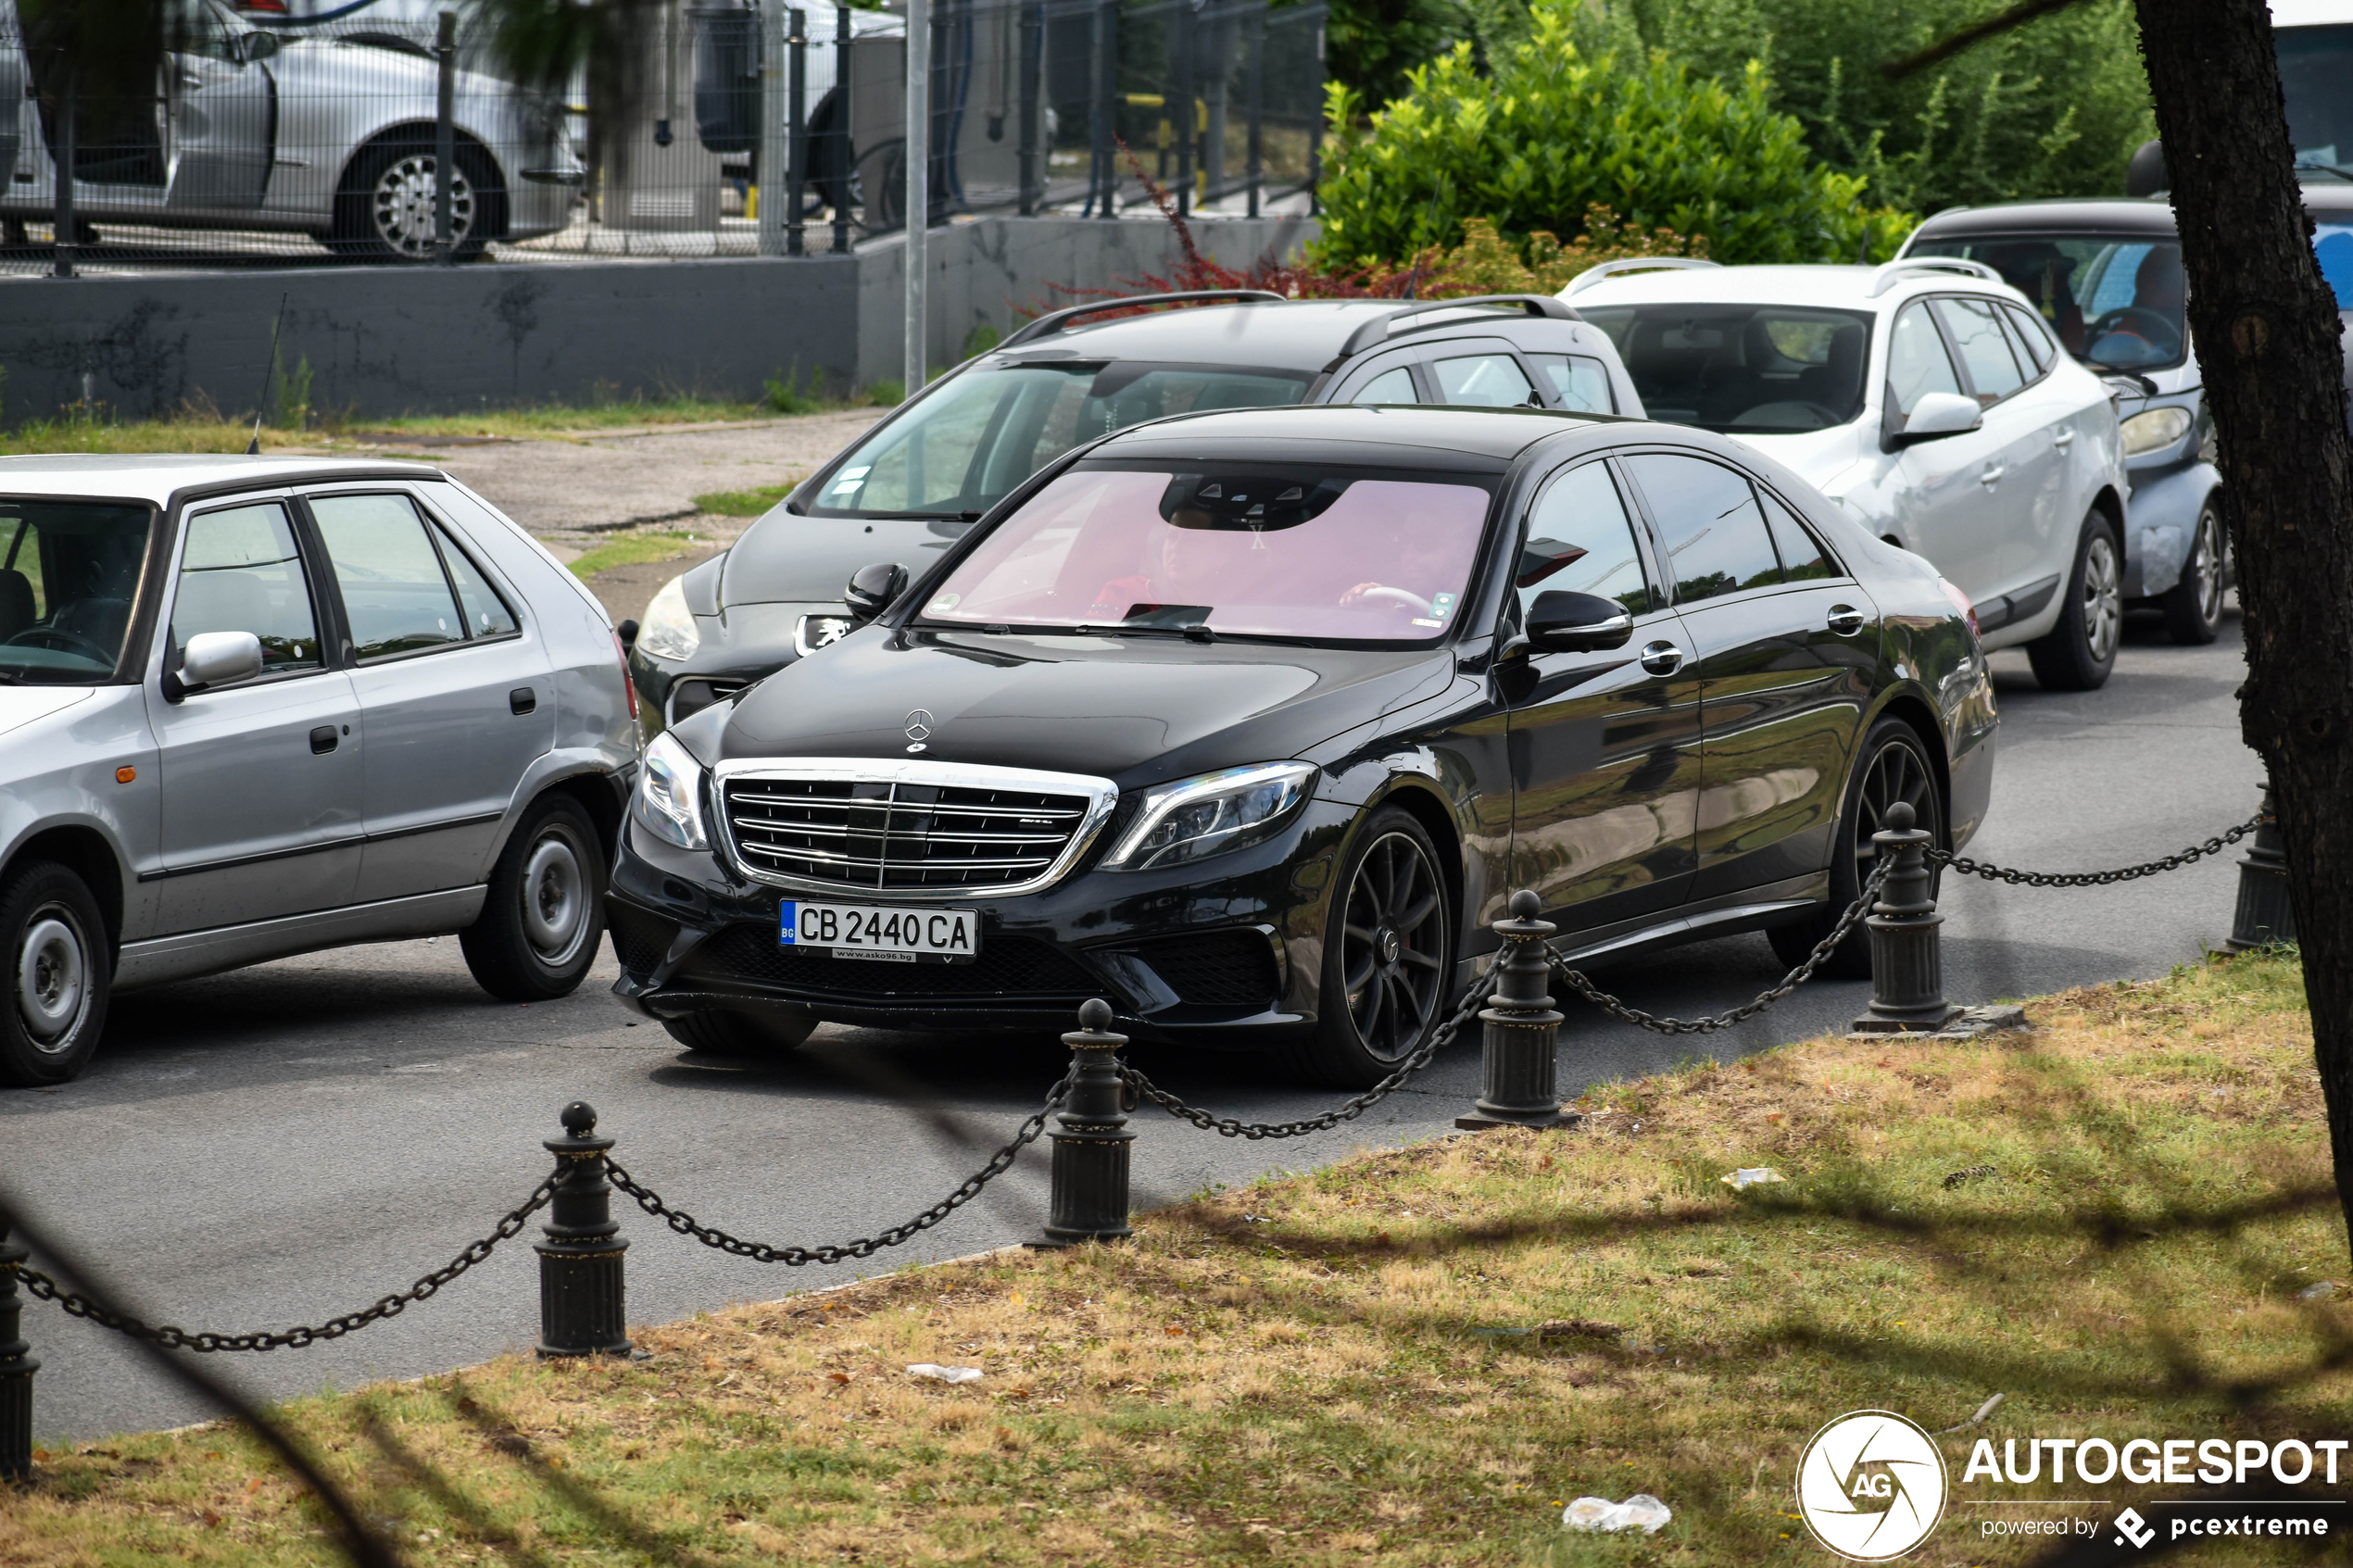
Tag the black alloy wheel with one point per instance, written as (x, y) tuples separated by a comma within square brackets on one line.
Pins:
[(2194, 606), (1388, 955), (59, 971), (2078, 653), (1894, 766), (543, 919), (770, 1031)]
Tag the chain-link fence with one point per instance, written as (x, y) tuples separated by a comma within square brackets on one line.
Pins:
[(267, 136)]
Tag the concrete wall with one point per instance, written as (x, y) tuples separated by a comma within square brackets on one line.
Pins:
[(387, 341)]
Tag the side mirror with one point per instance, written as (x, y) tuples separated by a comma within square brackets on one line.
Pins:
[(253, 47), (214, 659), (627, 633), (873, 589), (1578, 622), (1938, 415)]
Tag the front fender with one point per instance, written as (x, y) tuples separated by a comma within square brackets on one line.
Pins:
[(2163, 521)]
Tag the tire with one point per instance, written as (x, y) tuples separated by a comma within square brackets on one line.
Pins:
[(544, 921), (1392, 927), (2078, 653), (2194, 606), (1892, 764), (59, 973), (765, 1033), (383, 205)]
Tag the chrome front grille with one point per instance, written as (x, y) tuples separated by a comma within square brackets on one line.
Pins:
[(908, 829)]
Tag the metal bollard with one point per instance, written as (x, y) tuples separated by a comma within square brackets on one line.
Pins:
[(580, 1309), (1090, 1147), (1522, 1030), (16, 1367), (1907, 971), (2264, 913)]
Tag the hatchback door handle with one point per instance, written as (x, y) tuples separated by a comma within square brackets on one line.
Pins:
[(1662, 658), (322, 740), (1845, 620), (522, 699), (1990, 477), (2063, 439)]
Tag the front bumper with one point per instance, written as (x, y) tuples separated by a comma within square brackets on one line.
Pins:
[(1224, 953)]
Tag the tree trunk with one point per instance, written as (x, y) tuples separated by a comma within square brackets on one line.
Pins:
[(2266, 329)]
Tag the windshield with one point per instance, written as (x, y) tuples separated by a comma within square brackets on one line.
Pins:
[(966, 448), (1744, 369), (2114, 303), (1272, 549), (2316, 72), (68, 571)]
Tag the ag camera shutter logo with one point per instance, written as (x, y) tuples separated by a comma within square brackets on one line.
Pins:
[(1871, 1485)]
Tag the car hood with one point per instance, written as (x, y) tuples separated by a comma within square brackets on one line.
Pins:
[(786, 558), (1817, 455), (1135, 710), (21, 705)]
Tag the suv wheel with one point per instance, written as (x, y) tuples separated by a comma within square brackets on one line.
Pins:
[(1389, 955), (544, 916), (766, 1032), (1895, 767), (2077, 654), (58, 975), (2194, 606)]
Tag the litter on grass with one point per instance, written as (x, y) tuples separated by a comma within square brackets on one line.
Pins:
[(1641, 1511), (1752, 1176), (938, 1374), (2319, 1292)]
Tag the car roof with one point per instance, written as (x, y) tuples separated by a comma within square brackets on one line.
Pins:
[(1304, 334), (2104, 214), (1403, 435), (1827, 285), (158, 477)]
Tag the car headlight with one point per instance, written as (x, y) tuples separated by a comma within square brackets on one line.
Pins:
[(669, 629), (2152, 430), (669, 799), (1197, 817)]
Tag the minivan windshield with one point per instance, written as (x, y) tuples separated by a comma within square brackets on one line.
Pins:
[(1743, 369), (963, 449), (1271, 549), (2114, 301), (68, 572), (2316, 74)]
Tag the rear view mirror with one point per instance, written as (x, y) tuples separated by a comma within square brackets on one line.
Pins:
[(873, 589), (1938, 415), (1578, 622), (214, 659)]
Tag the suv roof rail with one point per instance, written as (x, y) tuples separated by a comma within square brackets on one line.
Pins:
[(1893, 273), (1055, 320), (1378, 329), (1634, 264)]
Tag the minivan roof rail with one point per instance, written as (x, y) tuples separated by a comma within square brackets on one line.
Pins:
[(1893, 273), (1055, 320), (1633, 264), (1377, 330)]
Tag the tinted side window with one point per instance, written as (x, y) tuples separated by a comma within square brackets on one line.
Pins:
[(239, 571), (1707, 517), (486, 613), (395, 594), (1581, 541), (1993, 369), (1801, 556), (1917, 363), (1579, 381)]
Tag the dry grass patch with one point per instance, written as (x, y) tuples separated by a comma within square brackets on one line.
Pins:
[(1419, 1356)]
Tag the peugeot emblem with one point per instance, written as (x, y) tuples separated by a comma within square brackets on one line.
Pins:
[(919, 725)]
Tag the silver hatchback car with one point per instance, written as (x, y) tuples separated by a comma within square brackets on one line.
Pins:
[(253, 707)]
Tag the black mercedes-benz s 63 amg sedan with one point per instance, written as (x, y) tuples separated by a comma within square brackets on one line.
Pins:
[(1250, 722)]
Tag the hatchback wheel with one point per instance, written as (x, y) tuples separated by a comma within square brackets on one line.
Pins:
[(385, 207), (1388, 956), (545, 914), (2194, 606), (1893, 766), (2077, 654), (58, 975)]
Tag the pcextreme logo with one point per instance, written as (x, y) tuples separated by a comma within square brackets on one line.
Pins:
[(1870, 1486)]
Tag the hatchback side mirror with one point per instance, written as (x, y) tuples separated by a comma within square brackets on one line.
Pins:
[(873, 589), (253, 47), (214, 659), (1578, 622), (1938, 415)]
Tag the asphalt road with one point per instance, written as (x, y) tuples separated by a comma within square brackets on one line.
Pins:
[(290, 1142)]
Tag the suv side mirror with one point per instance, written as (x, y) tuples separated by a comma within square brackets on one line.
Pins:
[(252, 46), (873, 589), (214, 659), (1938, 415), (1578, 622)]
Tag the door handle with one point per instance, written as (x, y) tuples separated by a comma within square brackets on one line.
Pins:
[(521, 700), (1990, 477), (1662, 658), (322, 740), (2064, 438), (1845, 620)]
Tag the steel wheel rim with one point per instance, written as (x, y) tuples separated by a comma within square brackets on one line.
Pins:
[(1392, 946), (2205, 560), (53, 979), (2103, 599), (402, 205), (1896, 773), (555, 901)]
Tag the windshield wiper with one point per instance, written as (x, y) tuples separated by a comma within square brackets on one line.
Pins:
[(1198, 632)]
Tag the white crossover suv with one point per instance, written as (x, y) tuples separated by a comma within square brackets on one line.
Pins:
[(1928, 399)]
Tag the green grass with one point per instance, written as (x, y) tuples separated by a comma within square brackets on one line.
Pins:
[(1345, 1366), (628, 549), (742, 503)]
